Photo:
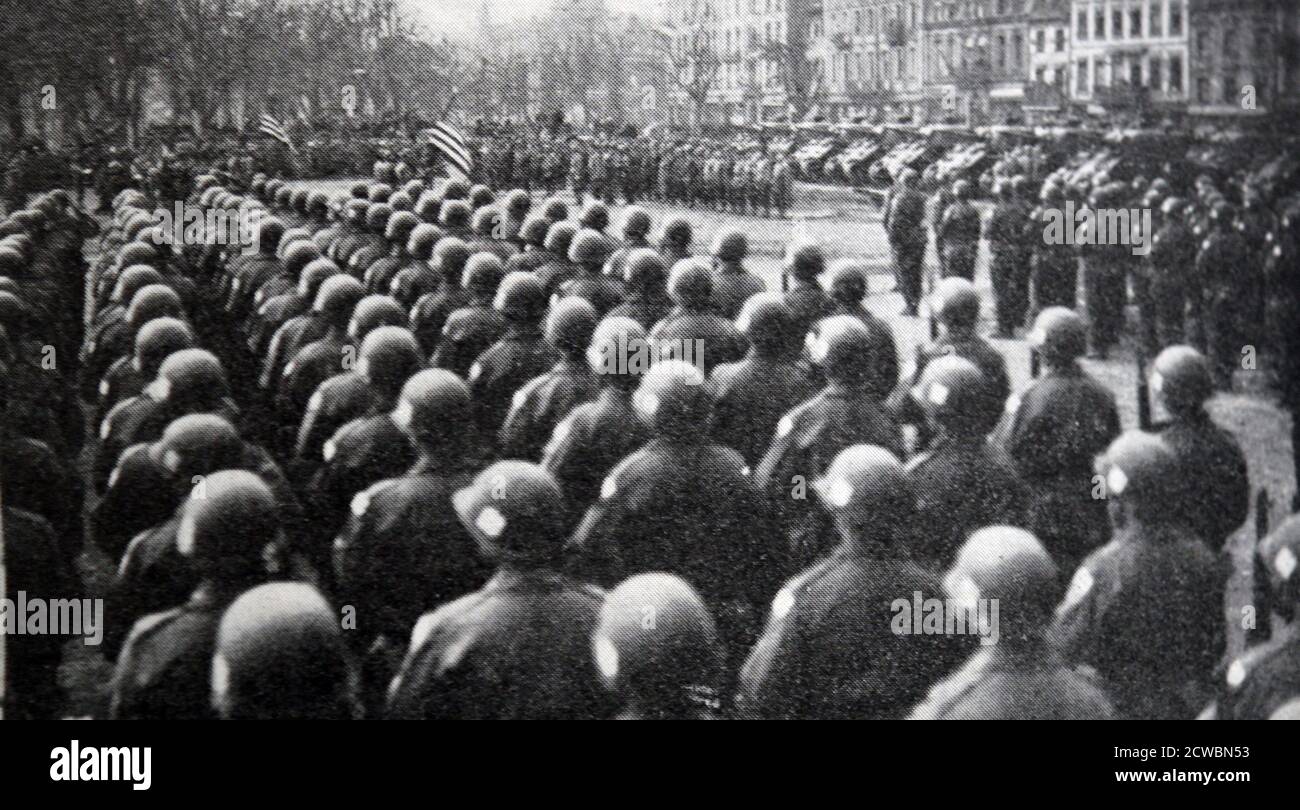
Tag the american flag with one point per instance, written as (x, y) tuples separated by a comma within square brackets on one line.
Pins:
[(448, 141), (275, 129)]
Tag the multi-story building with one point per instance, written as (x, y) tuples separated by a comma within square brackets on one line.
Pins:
[(1129, 54), (869, 58), (1236, 64), (978, 58)]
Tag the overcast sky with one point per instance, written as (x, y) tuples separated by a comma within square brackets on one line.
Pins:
[(461, 16)]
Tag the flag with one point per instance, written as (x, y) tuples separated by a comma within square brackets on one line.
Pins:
[(273, 128), (304, 110), (451, 144)]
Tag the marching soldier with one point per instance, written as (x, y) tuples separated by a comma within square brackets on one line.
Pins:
[(958, 233), (904, 222), (733, 285)]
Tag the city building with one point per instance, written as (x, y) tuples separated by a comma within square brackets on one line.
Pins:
[(869, 59), (978, 58), (1130, 55)]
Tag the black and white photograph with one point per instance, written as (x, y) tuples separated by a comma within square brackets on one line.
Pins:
[(650, 359)]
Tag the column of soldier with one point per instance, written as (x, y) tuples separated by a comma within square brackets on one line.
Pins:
[(717, 176), (377, 466)]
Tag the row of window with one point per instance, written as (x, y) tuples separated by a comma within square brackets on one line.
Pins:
[(1140, 18), (1161, 73)]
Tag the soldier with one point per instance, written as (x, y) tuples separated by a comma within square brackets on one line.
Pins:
[(164, 670), (847, 411), (596, 435), (645, 280), (804, 264), (368, 449), (1153, 579), (489, 231), (675, 241), (1021, 677), (1226, 305), (1105, 266), (379, 276), (1259, 682), (848, 289), (962, 482), (558, 269), (316, 286), (750, 396), (539, 405), (1215, 497), (904, 222), (1055, 275), (280, 655), (588, 253), (1011, 249), (782, 184), (636, 231), (528, 620), (532, 235), (691, 331), (671, 670), (430, 313), (733, 285), (685, 505), (830, 649), (520, 354), (958, 233), (402, 551), (470, 330), (1173, 254), (1052, 432)]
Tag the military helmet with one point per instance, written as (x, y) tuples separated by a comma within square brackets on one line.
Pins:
[(805, 261), (377, 217), (560, 237), (1181, 379), (455, 214), (533, 231), (769, 324), (1059, 334), (157, 340), (153, 301), (676, 233), (517, 203), (399, 228), (955, 394), (483, 274), (434, 405), (389, 356), (280, 655), (486, 222), (337, 297), (314, 275), (848, 281), (636, 223), (690, 283), (730, 245), (133, 279), (956, 302), (675, 656), (480, 195), (672, 400), (137, 253), (569, 326), (379, 192), (298, 255), (372, 312), (401, 201), (1011, 566), (450, 254), (197, 444), (595, 216), (1279, 552), (555, 210), (428, 208), (615, 339), (516, 513), (645, 270), (419, 245), (842, 347), (1140, 468), (521, 297), (866, 484), (190, 376), (589, 248)]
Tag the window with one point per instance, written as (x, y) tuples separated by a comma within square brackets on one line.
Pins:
[(1082, 25), (1203, 44), (1017, 47), (1001, 52), (1060, 40), (1230, 43), (1156, 22), (1203, 90), (1155, 75), (1176, 18), (1135, 21), (1135, 73), (1040, 41), (1228, 88), (1040, 75), (1175, 74), (1099, 25), (1081, 76), (1117, 24)]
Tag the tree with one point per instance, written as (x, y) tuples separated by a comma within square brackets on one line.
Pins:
[(693, 61)]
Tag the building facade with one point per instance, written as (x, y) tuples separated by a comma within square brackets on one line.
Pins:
[(868, 57), (1130, 54), (1237, 67), (978, 58)]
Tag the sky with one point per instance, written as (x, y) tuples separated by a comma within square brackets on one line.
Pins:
[(461, 16)]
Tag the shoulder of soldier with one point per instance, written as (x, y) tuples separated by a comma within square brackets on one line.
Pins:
[(643, 468), (372, 497)]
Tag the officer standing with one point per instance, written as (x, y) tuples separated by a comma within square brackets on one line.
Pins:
[(904, 222)]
